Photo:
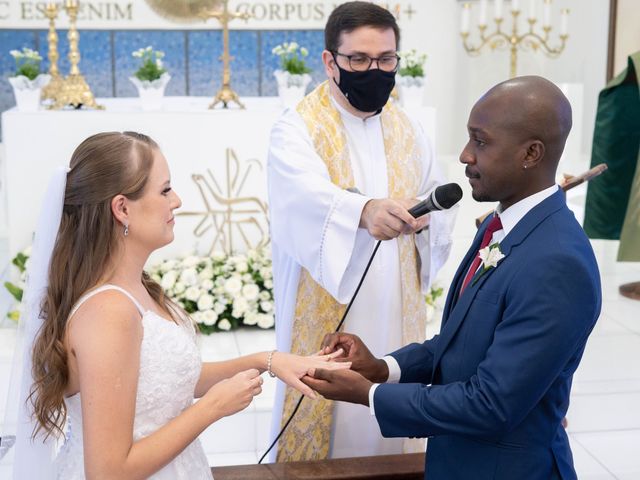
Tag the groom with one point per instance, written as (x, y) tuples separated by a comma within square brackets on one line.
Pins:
[(492, 389)]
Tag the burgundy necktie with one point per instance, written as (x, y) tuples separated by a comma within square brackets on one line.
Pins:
[(494, 225)]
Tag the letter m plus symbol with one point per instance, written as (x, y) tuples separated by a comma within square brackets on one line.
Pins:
[(409, 12)]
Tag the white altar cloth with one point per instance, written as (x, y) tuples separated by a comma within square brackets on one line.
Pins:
[(192, 137)]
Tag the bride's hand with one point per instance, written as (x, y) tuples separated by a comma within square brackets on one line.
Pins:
[(291, 368)]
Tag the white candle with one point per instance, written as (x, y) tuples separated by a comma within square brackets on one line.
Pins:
[(514, 6), (547, 13), (532, 9), (483, 12), (498, 6), (564, 22), (464, 26)]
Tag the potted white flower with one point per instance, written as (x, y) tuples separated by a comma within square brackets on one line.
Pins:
[(151, 78), (293, 76), (411, 77), (28, 82)]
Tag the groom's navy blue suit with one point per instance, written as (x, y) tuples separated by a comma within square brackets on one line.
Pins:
[(493, 387)]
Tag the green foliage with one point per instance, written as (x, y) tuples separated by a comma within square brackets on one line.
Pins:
[(434, 293), (15, 291)]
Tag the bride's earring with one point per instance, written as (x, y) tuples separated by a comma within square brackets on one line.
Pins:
[(126, 229)]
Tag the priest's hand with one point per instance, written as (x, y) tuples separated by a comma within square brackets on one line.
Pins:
[(356, 352), (422, 222), (343, 385), (385, 218)]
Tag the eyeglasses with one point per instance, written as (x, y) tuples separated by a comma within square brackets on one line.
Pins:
[(361, 63)]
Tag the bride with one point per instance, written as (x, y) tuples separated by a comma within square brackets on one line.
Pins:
[(115, 359)]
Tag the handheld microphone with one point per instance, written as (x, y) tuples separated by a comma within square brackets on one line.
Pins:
[(442, 198)]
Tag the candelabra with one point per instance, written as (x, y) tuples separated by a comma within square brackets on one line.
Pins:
[(226, 93), (74, 91), (52, 89), (529, 40)]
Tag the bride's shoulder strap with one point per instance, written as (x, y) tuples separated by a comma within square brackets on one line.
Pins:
[(102, 288)]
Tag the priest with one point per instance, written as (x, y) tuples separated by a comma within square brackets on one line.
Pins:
[(344, 167)]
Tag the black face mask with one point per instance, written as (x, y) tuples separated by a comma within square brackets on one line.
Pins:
[(366, 91)]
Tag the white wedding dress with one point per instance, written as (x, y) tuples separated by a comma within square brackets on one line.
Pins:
[(169, 370)]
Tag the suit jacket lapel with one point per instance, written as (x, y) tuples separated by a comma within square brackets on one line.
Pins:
[(456, 311), (452, 295)]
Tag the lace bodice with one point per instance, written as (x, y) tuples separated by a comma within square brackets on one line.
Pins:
[(169, 370)]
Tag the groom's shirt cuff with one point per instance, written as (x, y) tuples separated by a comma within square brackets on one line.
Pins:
[(394, 377)]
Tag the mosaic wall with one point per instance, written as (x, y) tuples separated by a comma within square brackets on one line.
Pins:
[(191, 56)]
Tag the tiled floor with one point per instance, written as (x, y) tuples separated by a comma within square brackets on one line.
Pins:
[(604, 417)]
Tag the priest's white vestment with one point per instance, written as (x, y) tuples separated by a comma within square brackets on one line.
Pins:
[(314, 225)]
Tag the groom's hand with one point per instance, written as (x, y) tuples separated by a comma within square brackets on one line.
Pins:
[(343, 385), (356, 352)]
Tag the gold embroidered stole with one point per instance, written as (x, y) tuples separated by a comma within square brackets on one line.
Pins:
[(317, 312)]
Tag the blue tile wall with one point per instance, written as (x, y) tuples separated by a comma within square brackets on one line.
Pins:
[(192, 58), (205, 66)]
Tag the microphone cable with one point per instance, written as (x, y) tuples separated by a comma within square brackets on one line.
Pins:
[(344, 316)]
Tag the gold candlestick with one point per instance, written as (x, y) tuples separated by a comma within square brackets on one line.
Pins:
[(75, 91), (526, 41), (226, 93), (52, 89)]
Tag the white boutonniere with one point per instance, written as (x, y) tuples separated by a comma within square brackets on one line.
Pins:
[(490, 257)]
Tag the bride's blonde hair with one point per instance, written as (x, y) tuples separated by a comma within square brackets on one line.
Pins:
[(103, 166)]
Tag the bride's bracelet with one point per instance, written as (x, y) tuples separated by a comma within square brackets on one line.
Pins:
[(269, 359)]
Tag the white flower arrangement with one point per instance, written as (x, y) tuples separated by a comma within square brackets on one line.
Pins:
[(221, 292)]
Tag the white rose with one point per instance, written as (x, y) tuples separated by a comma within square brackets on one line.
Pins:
[(179, 287), (250, 291), (247, 278), (268, 284), (219, 307), (266, 306), (189, 277), (224, 324), (266, 273), (240, 306), (192, 293), (209, 318), (168, 265), (206, 284), (156, 278), (490, 256), (217, 256), (265, 320), (233, 285), (206, 274), (205, 302), (197, 317), (250, 318), (168, 280), (264, 295), (242, 267)]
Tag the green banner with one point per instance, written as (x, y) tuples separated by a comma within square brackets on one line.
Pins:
[(616, 142)]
